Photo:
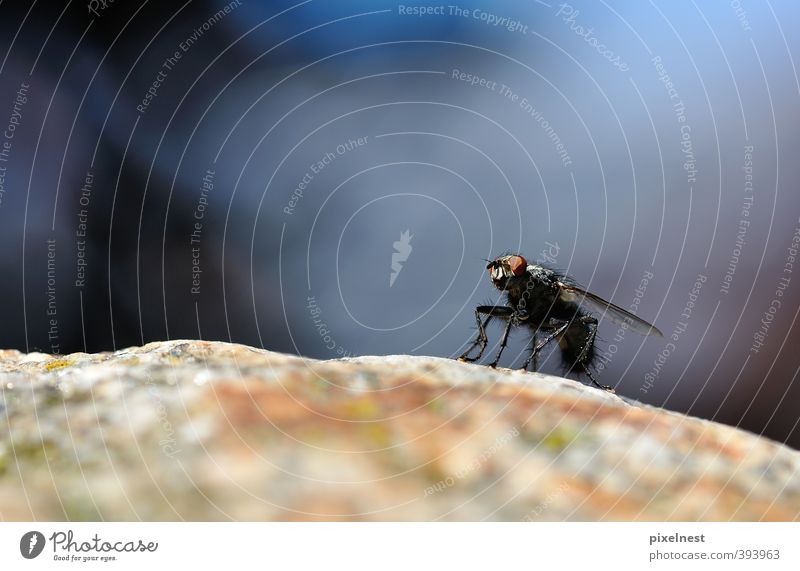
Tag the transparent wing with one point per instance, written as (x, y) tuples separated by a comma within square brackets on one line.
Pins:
[(614, 312)]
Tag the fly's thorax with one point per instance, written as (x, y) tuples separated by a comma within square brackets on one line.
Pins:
[(540, 273), (520, 290), (535, 294)]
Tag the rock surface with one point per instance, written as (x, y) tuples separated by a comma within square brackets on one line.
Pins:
[(192, 430)]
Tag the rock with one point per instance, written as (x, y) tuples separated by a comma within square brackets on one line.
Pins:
[(199, 430)]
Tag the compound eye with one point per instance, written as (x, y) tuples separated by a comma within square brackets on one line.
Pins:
[(518, 265)]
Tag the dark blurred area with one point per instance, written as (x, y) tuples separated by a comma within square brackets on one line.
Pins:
[(325, 178)]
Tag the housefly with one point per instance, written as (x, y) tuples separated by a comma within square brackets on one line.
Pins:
[(553, 307)]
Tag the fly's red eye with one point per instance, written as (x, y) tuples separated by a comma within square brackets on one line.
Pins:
[(517, 264)]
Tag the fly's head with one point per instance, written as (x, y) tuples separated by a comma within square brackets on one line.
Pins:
[(502, 269)]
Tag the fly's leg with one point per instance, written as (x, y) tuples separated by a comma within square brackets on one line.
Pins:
[(591, 326), (482, 340), (509, 324), (594, 381), (560, 326), (532, 358), (515, 318)]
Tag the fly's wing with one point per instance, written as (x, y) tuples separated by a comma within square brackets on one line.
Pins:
[(580, 296)]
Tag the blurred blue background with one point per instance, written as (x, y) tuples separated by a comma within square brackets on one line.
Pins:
[(258, 194)]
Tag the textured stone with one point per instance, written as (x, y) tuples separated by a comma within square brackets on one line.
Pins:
[(214, 431)]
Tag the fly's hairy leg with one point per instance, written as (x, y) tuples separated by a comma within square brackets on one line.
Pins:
[(591, 325), (533, 357), (558, 327), (594, 381), (482, 339), (515, 319)]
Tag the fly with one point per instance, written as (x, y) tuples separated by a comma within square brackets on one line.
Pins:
[(553, 307)]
